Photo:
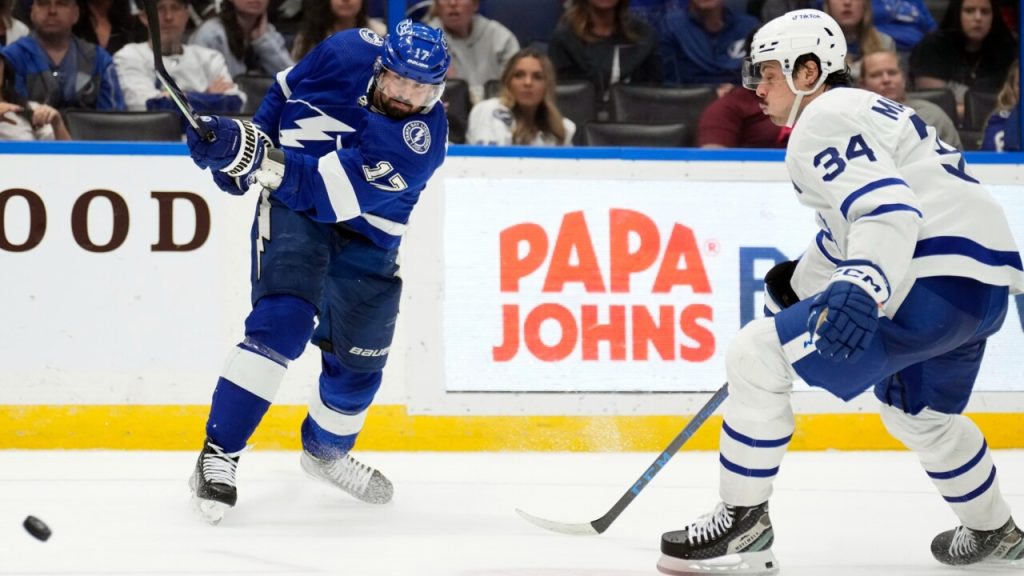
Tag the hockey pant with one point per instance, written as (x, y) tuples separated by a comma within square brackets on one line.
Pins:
[(922, 365)]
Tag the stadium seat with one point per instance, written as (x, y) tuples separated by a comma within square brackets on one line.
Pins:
[(977, 107), (577, 101), (943, 98), (255, 88), (492, 88), (641, 135), (661, 104), (456, 96), (532, 21), (129, 126)]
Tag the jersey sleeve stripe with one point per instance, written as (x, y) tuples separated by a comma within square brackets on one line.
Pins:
[(870, 187), (340, 192), (886, 208), (282, 80), (958, 245), (820, 241)]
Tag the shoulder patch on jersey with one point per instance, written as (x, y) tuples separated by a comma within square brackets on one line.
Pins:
[(504, 115), (371, 37), (417, 136)]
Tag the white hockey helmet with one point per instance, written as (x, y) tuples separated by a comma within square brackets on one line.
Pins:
[(789, 37)]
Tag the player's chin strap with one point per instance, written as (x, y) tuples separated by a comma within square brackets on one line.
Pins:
[(800, 97)]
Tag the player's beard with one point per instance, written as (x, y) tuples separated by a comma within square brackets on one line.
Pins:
[(392, 107)]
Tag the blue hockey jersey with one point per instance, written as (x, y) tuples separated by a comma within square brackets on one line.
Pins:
[(345, 162)]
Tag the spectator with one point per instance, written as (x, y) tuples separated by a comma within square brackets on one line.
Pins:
[(480, 47), (108, 24), (24, 120), (525, 113), (248, 42), (1002, 130), (54, 67), (325, 17), (854, 18), (971, 50), (882, 74), (906, 21), (200, 72), (772, 9), (11, 29), (653, 12), (705, 44), (736, 120), (599, 41)]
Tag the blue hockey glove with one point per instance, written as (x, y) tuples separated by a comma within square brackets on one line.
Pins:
[(850, 323), (229, 184), (237, 149)]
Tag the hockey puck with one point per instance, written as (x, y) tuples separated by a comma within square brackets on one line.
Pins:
[(37, 528)]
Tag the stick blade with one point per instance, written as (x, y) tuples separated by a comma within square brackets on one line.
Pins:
[(581, 529)]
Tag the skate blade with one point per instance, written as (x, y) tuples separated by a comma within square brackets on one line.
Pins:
[(748, 563), (210, 511)]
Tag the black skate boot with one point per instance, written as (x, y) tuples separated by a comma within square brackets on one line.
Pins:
[(213, 482), (1000, 547), (730, 540), (358, 479)]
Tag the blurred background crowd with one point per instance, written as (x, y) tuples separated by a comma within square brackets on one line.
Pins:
[(660, 73)]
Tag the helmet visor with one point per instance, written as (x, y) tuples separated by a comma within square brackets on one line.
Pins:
[(406, 91), (751, 74)]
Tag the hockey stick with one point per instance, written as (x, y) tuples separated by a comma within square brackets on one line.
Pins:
[(175, 93), (601, 524)]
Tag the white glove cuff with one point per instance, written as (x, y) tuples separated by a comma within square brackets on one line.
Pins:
[(250, 150), (866, 275)]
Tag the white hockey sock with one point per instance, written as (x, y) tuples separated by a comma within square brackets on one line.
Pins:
[(955, 455), (758, 420)]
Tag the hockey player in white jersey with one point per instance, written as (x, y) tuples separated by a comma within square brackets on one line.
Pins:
[(908, 276)]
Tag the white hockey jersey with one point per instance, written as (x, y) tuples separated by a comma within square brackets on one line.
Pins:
[(888, 191)]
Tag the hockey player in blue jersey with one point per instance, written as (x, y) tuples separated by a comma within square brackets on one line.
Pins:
[(908, 276), (340, 150)]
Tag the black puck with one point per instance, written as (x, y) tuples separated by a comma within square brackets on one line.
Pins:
[(37, 528)]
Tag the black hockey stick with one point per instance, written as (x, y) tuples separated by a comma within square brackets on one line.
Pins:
[(601, 524), (177, 96)]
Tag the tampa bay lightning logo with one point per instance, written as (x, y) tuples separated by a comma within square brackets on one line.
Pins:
[(371, 37), (310, 125), (503, 115), (417, 136)]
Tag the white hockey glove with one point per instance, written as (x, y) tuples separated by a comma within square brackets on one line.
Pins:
[(271, 170)]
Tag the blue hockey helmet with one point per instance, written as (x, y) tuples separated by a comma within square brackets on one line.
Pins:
[(418, 52)]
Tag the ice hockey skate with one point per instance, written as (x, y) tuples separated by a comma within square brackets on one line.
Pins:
[(213, 482), (1002, 547), (729, 540), (361, 481)]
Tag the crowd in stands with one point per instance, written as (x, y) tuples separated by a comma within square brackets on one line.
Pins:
[(549, 73)]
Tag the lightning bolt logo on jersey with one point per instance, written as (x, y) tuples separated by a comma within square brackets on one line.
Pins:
[(364, 168)]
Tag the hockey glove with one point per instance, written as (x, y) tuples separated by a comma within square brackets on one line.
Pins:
[(778, 291), (851, 301), (236, 150), (229, 184)]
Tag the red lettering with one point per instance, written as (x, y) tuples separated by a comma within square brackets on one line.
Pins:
[(614, 332), (574, 236), (624, 225), (515, 267), (682, 246), (660, 334), (702, 335), (567, 325)]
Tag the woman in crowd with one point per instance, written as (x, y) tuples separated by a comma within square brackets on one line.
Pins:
[(249, 43), (1002, 129), (108, 23), (854, 17), (972, 49), (23, 120), (598, 40), (525, 113), (11, 29), (321, 18)]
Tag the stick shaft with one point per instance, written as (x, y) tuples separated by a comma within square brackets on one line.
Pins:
[(602, 523), (175, 93)]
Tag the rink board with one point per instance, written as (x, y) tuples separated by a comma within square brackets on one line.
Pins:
[(567, 300)]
